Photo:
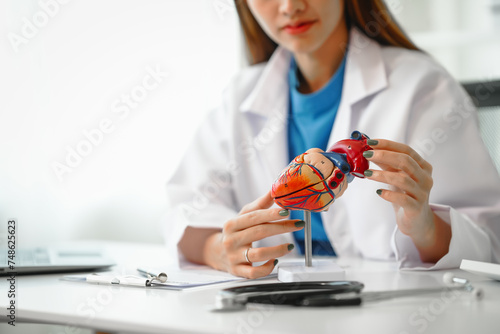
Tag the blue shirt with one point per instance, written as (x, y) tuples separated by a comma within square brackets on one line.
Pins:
[(311, 118)]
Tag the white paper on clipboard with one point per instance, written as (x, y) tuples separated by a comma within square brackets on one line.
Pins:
[(185, 278)]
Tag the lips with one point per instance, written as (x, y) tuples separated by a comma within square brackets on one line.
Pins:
[(298, 27)]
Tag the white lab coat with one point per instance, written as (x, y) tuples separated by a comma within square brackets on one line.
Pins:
[(388, 92)]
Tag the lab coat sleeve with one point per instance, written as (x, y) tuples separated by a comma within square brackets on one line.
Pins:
[(199, 193), (444, 129)]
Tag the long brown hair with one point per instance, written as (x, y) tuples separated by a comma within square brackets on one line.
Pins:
[(372, 17)]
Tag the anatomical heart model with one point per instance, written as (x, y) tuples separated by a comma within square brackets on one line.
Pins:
[(313, 180)]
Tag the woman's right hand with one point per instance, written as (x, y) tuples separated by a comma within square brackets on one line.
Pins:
[(226, 250)]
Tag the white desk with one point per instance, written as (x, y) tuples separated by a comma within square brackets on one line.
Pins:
[(46, 299)]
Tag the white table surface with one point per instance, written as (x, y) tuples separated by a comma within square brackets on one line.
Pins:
[(47, 299)]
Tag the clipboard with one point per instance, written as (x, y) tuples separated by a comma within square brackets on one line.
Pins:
[(176, 279)]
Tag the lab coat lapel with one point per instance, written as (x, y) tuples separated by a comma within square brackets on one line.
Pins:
[(269, 101), (364, 76)]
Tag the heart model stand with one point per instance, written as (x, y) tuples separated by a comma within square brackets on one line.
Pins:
[(317, 270)]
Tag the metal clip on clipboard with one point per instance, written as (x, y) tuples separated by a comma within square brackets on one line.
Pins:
[(161, 277)]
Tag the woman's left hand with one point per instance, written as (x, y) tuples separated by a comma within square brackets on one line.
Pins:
[(409, 177)]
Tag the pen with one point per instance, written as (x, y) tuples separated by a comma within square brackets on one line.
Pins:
[(122, 280)]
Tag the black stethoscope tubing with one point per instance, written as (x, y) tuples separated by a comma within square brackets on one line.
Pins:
[(336, 293)]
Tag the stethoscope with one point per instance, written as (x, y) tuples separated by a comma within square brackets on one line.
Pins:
[(335, 293)]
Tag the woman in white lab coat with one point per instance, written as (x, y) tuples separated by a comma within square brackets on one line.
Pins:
[(432, 194)]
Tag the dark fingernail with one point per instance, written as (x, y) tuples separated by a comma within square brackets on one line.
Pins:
[(368, 172), (379, 191), (291, 246), (300, 223), (284, 212), (275, 262), (372, 142), (368, 154)]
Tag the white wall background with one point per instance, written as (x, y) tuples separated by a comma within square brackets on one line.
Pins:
[(65, 67), (463, 35)]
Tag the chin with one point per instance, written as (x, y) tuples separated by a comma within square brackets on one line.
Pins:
[(300, 44), (300, 47)]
